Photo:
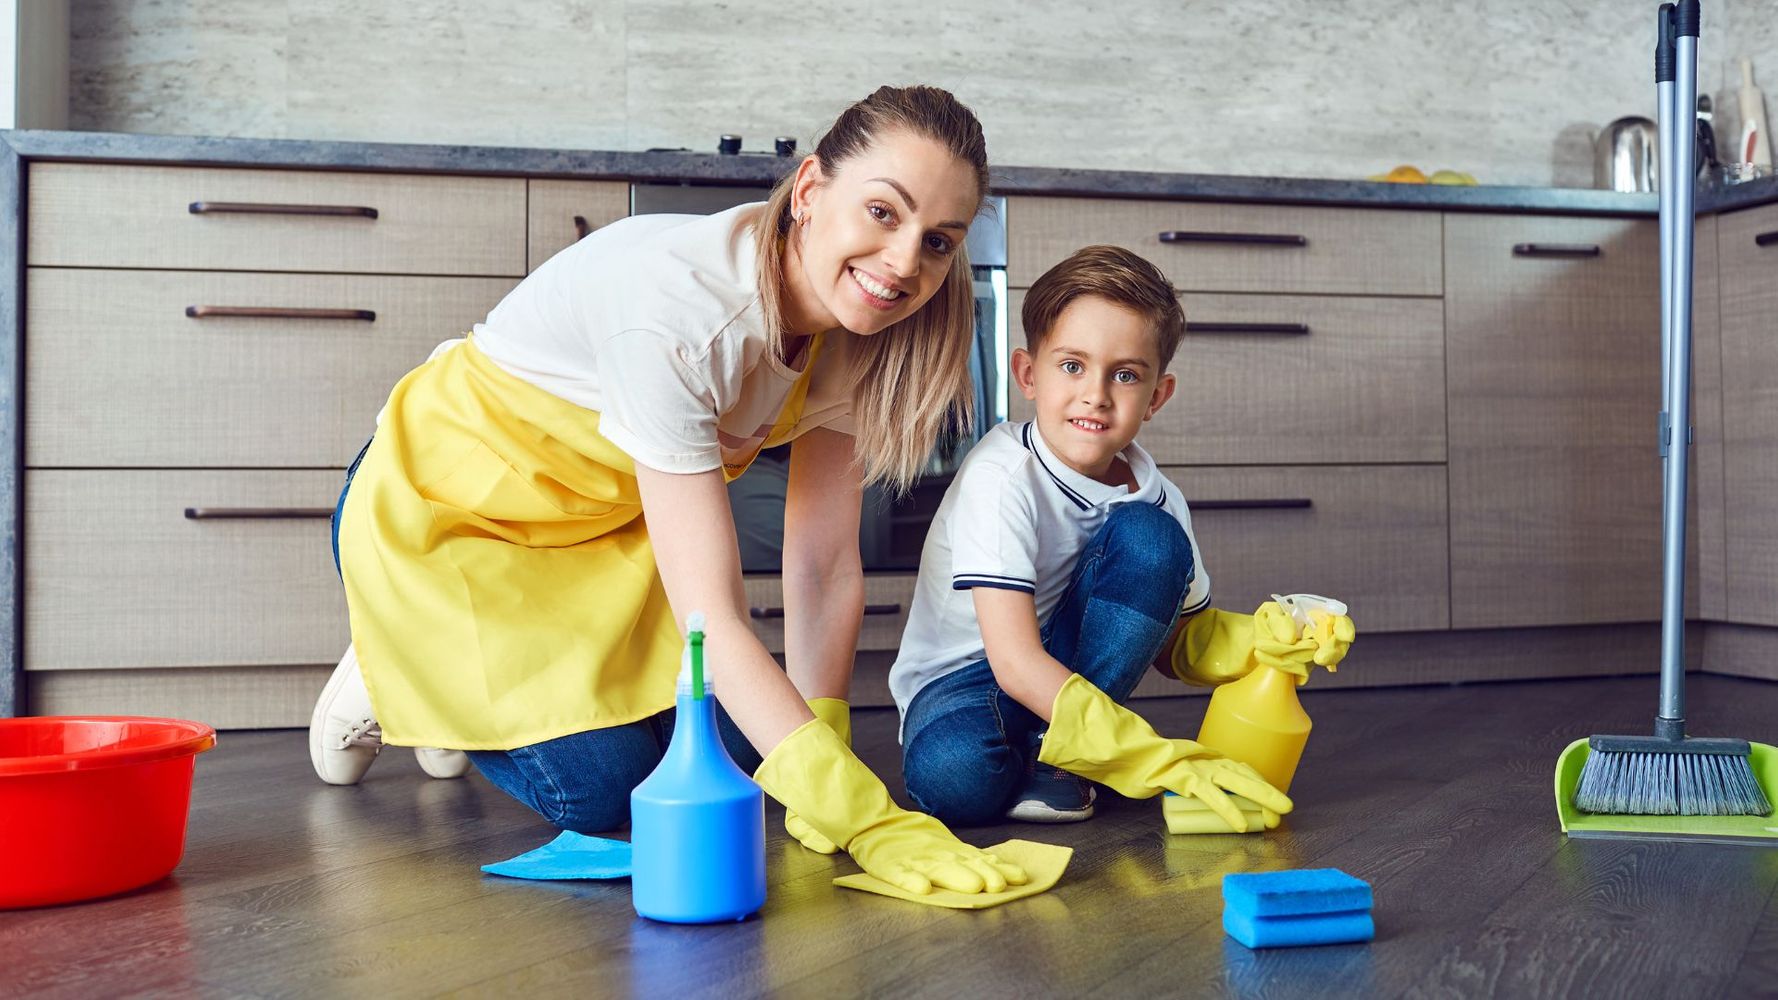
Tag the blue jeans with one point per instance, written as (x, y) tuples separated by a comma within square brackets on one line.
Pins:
[(340, 504), (582, 781), (966, 742)]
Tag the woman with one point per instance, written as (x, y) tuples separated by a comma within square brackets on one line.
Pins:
[(540, 499)]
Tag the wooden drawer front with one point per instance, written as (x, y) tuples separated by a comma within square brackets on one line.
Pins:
[(1707, 509), (119, 375), (1372, 536), (561, 212), (887, 599), (96, 215), (1750, 414), (1554, 382), (1365, 384), (1344, 250), (118, 576)]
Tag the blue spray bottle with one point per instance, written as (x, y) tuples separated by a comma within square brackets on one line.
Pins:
[(697, 824)]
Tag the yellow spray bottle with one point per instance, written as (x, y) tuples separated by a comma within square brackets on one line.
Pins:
[(1258, 720)]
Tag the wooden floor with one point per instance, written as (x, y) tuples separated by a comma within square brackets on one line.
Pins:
[(1440, 797)]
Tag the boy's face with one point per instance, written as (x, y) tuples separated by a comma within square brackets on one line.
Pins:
[(1095, 379)]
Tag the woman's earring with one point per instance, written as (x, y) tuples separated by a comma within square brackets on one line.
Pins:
[(802, 218)]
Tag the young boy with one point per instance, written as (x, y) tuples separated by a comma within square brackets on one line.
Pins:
[(1059, 566)]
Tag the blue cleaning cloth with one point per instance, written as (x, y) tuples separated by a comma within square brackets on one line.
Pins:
[(571, 855), (1287, 932), (1294, 893)]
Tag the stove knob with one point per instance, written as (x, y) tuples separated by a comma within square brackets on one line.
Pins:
[(785, 145), (728, 145)]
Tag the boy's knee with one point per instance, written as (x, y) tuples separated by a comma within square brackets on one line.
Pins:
[(1148, 540)]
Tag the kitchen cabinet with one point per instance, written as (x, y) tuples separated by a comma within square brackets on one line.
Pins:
[(562, 211), (887, 599), (1747, 242), (1207, 246), (206, 349), (1441, 412), (228, 219), (206, 369), (1298, 379), (1308, 430), (1553, 344), (1372, 535)]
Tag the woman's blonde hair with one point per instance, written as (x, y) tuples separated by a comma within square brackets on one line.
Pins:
[(910, 382)]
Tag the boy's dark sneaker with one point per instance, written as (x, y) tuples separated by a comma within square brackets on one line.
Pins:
[(1051, 795)]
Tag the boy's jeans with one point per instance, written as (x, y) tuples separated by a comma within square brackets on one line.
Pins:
[(965, 741)]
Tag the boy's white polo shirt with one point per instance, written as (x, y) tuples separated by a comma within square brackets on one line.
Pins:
[(1015, 517)]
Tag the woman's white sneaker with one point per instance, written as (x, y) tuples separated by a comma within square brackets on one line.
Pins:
[(344, 738), (442, 763)]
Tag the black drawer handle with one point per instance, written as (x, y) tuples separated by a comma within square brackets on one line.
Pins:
[(1295, 329), (1766, 239), (1260, 239), (279, 312), (582, 228), (1285, 503), (258, 513), (869, 609), (268, 208), (1555, 250)]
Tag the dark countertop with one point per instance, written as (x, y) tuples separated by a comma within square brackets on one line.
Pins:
[(710, 168)]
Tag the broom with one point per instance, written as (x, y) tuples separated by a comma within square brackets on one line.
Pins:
[(1669, 774)]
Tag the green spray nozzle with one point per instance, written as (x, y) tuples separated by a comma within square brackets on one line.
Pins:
[(694, 628)]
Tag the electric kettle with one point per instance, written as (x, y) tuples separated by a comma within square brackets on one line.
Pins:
[(1624, 155)]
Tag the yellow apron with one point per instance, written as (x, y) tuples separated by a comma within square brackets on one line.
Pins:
[(499, 576)]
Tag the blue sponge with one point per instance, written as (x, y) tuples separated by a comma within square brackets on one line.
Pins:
[(1285, 932), (1294, 893)]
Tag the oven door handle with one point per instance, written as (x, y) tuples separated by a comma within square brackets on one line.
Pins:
[(869, 609)]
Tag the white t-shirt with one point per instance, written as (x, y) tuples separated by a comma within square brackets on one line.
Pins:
[(655, 322), (1015, 517)]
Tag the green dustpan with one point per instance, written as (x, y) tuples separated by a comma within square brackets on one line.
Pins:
[(1759, 831)]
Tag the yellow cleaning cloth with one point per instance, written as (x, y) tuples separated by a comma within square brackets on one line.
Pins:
[(1043, 864), (1186, 814)]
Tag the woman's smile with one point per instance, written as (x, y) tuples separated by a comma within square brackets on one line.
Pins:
[(877, 294)]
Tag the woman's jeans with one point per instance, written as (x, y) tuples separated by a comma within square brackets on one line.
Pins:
[(967, 745), (582, 781)]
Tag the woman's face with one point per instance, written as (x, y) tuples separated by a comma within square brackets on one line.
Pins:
[(878, 233)]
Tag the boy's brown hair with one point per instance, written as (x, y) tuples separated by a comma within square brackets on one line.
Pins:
[(1116, 275)]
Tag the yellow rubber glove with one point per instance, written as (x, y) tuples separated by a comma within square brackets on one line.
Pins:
[(1095, 737), (1332, 635), (815, 774), (838, 716), (1218, 646)]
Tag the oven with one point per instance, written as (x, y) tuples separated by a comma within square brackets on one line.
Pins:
[(892, 529)]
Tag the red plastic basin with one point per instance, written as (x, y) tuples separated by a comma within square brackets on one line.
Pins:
[(92, 805)]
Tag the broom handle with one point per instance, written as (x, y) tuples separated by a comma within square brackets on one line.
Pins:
[(1681, 140)]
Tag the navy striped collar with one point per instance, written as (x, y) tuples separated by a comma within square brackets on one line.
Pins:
[(1085, 492)]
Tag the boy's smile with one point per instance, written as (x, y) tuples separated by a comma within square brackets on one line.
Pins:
[(1095, 381)]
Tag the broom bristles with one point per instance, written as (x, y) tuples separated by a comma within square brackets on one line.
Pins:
[(1669, 783)]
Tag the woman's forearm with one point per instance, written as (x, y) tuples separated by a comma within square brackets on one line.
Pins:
[(823, 615), (752, 688), (823, 574), (700, 566)]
